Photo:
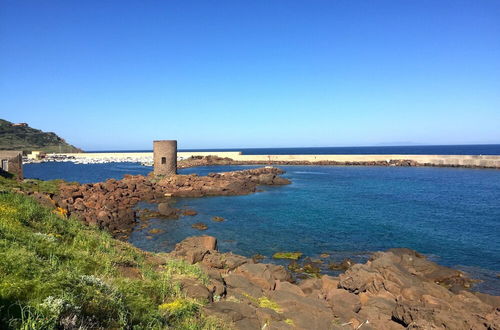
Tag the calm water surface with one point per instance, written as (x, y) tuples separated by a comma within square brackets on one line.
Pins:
[(452, 215)]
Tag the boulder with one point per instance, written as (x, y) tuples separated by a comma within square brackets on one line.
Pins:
[(166, 210), (258, 274), (196, 290), (230, 311)]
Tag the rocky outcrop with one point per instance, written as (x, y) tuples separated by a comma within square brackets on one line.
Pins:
[(227, 183), (110, 204), (403, 286), (398, 289)]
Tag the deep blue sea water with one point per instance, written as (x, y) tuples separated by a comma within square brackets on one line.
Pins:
[(450, 214), (468, 149)]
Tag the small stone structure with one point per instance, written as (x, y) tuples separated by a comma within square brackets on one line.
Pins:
[(165, 157), (11, 163)]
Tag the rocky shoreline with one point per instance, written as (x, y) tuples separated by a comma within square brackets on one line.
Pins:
[(110, 204), (397, 289)]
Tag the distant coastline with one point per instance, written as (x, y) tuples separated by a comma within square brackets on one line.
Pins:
[(468, 149)]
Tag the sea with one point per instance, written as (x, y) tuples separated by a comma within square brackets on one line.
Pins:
[(451, 215), (467, 149)]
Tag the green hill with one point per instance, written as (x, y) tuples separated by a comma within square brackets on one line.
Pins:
[(23, 137)]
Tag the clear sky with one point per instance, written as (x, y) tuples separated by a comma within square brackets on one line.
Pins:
[(260, 73)]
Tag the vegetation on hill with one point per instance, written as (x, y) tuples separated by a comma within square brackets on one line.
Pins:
[(58, 273), (25, 138)]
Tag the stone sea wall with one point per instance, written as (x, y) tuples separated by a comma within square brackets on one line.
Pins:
[(146, 158), (484, 161)]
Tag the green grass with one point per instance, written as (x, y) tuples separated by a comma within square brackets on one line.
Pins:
[(30, 185), (56, 271)]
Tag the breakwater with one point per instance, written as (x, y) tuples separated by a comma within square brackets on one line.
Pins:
[(485, 161), (480, 161)]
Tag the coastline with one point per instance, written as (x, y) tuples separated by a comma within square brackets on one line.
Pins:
[(394, 290)]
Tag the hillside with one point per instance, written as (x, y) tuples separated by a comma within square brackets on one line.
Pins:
[(57, 273), (23, 137)]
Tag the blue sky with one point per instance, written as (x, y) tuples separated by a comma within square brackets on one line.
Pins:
[(262, 73)]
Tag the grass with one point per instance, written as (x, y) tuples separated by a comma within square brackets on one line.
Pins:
[(30, 185), (55, 272)]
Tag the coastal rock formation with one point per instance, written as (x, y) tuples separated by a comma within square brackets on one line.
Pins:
[(110, 204), (227, 183), (397, 289)]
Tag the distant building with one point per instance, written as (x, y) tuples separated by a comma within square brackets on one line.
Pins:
[(20, 125), (35, 155), (11, 162)]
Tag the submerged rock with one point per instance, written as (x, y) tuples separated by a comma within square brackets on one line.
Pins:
[(344, 265), (311, 268), (200, 226), (155, 231), (258, 257), (166, 210), (287, 255), (189, 212)]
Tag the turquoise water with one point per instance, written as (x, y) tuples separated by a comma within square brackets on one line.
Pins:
[(450, 214)]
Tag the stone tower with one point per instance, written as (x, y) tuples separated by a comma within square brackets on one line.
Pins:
[(165, 157)]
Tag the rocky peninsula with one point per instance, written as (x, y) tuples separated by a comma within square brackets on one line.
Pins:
[(110, 204)]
